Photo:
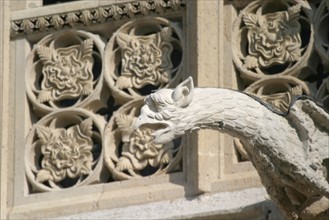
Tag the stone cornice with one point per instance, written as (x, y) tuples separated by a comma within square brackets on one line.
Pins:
[(95, 15)]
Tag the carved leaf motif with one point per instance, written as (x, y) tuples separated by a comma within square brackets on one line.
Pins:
[(160, 6), (295, 54), (251, 62), (86, 126), (124, 121), (123, 164), (43, 133), (58, 21), (43, 175), (45, 53), (87, 88), (250, 20), (45, 96), (145, 7), (87, 48), (124, 82), (72, 18)]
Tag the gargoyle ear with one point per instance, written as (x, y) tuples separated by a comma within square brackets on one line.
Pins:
[(183, 93)]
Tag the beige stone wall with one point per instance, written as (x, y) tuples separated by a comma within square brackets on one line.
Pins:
[(208, 40)]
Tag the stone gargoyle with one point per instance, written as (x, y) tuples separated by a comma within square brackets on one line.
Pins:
[(290, 151)]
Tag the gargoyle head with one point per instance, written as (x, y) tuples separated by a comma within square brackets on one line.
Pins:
[(161, 111)]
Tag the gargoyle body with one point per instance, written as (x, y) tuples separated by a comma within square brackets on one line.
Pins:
[(290, 151)]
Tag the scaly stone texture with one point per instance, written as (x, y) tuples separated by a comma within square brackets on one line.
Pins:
[(289, 151), (74, 77)]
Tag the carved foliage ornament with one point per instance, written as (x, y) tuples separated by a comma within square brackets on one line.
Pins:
[(64, 149), (145, 59), (132, 153), (140, 150), (67, 152), (64, 85), (142, 56), (278, 92), (95, 15), (272, 43), (67, 72), (272, 38)]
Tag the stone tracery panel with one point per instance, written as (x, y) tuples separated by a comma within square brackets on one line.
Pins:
[(279, 51), (85, 93), (131, 153), (272, 38), (65, 70), (64, 149), (142, 56)]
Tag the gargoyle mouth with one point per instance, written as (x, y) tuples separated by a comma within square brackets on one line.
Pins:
[(153, 126), (160, 130)]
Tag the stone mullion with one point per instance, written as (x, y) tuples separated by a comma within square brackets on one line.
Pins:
[(202, 147), (4, 105)]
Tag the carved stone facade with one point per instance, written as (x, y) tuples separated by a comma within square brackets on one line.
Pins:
[(74, 77)]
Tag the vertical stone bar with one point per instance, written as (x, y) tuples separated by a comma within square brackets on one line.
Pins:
[(4, 101), (203, 66)]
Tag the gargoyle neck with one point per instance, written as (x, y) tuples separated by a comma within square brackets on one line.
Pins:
[(235, 113)]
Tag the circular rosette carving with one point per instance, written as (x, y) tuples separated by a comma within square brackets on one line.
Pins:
[(64, 149), (278, 92), (131, 153), (65, 70), (142, 56), (272, 38), (321, 30)]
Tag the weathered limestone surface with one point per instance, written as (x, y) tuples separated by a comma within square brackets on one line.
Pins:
[(240, 204), (289, 150), (73, 77)]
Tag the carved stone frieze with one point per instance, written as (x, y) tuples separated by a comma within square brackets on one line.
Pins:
[(64, 149), (91, 16), (142, 56), (272, 38), (64, 70), (132, 153)]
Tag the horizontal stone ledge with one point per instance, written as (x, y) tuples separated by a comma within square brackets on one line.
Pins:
[(252, 203), (56, 17)]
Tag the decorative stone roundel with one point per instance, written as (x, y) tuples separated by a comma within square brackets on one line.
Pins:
[(64, 149), (131, 153), (65, 70), (278, 92), (270, 38), (142, 56)]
